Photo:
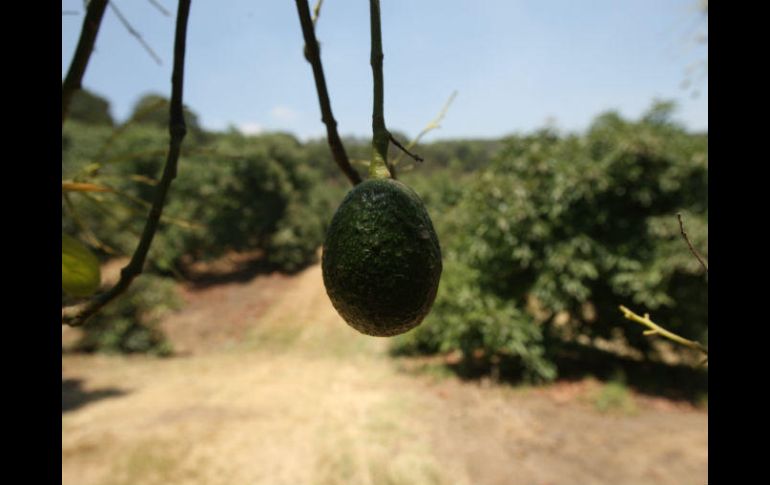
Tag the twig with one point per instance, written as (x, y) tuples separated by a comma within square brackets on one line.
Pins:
[(313, 56), (70, 12), (68, 186), (72, 82), (416, 157), (160, 7), (317, 11), (689, 244), (655, 329), (135, 33), (380, 138), (432, 125), (177, 131)]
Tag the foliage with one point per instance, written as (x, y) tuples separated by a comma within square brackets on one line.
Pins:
[(130, 323), (556, 223), (532, 236), (90, 108), (153, 110), (232, 193)]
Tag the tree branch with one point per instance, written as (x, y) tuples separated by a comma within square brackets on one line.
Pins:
[(655, 329), (160, 7), (435, 123), (135, 33), (416, 157), (689, 244), (313, 56), (85, 47), (380, 138), (177, 132)]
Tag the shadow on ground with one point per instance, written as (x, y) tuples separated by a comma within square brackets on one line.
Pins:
[(74, 396), (576, 362), (233, 268)]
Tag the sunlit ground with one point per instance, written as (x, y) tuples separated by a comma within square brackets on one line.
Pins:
[(271, 387)]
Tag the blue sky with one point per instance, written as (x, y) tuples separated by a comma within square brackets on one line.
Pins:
[(516, 64)]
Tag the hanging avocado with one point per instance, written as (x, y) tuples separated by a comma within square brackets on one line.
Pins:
[(381, 260)]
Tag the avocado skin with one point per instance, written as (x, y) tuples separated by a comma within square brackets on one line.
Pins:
[(381, 260)]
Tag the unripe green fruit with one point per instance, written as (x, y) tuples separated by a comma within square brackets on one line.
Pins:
[(381, 260)]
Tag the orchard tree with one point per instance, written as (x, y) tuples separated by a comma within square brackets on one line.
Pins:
[(77, 265), (91, 109)]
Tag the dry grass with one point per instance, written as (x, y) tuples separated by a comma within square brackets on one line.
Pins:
[(299, 398)]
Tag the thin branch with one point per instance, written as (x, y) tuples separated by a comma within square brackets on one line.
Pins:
[(135, 33), (70, 12), (432, 125), (380, 138), (85, 47), (313, 56), (177, 131), (70, 186), (160, 7), (689, 244), (317, 11), (655, 329), (416, 157)]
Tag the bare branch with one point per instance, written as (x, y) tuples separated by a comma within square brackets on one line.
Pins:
[(135, 33), (313, 56), (416, 157), (91, 23), (689, 244), (160, 7), (655, 329), (177, 131), (70, 12)]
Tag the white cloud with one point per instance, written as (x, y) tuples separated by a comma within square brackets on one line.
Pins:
[(250, 128), (283, 113)]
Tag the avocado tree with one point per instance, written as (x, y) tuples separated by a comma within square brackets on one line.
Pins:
[(177, 130), (181, 121)]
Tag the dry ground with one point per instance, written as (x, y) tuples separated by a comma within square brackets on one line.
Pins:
[(273, 388)]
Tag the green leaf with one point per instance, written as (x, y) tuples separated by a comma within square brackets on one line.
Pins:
[(80, 270)]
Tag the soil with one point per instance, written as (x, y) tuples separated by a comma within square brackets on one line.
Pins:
[(270, 386)]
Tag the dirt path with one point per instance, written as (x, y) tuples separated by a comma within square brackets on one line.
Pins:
[(275, 389)]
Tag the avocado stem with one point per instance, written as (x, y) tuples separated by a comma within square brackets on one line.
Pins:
[(380, 139)]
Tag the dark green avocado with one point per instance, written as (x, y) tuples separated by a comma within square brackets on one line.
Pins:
[(381, 259)]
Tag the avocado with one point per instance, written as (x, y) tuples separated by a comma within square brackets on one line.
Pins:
[(381, 259)]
